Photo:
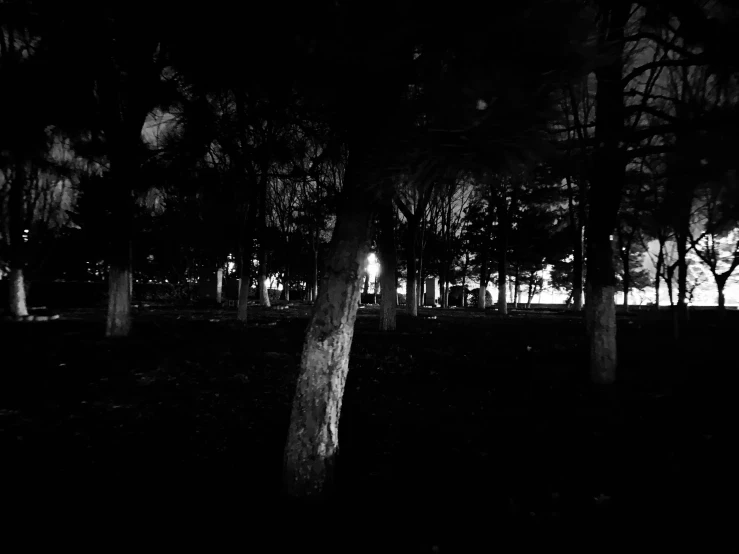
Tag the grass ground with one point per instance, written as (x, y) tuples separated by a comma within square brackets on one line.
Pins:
[(459, 427)]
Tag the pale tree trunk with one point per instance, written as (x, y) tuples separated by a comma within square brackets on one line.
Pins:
[(481, 304), (263, 291), (16, 288), (313, 437), (502, 300), (119, 301), (118, 323), (608, 177), (17, 291), (578, 266), (388, 261)]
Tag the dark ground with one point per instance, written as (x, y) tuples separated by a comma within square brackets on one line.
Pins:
[(460, 431)]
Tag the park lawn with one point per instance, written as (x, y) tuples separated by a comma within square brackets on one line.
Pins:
[(458, 420)]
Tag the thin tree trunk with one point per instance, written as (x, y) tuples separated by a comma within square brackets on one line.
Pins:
[(502, 254), (516, 289), (481, 303), (681, 237), (118, 322), (313, 437), (314, 288), (464, 279), (626, 280), (245, 265), (286, 283), (660, 264), (388, 261), (577, 261), (17, 292), (502, 300), (263, 291), (365, 290), (16, 288), (607, 182), (411, 304)]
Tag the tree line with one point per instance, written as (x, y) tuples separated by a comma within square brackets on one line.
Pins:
[(567, 134)]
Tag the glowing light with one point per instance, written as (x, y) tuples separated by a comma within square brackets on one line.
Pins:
[(373, 266)]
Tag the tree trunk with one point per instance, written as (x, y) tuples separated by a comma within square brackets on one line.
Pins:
[(119, 301), (660, 264), (366, 282), (464, 279), (245, 265), (286, 283), (577, 232), (17, 293), (16, 288), (314, 288), (388, 261), (516, 289), (577, 277), (607, 181), (681, 237), (626, 281), (502, 253), (720, 285), (118, 322), (263, 291), (411, 304), (313, 437), (502, 300), (481, 303)]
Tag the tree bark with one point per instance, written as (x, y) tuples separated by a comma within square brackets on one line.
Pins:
[(365, 289), (720, 285), (608, 176), (464, 278), (16, 288), (17, 292), (118, 322), (502, 253), (314, 288), (626, 279), (660, 264), (388, 261), (411, 304), (481, 303), (263, 291), (245, 265), (119, 301), (286, 283), (313, 437), (577, 261)]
